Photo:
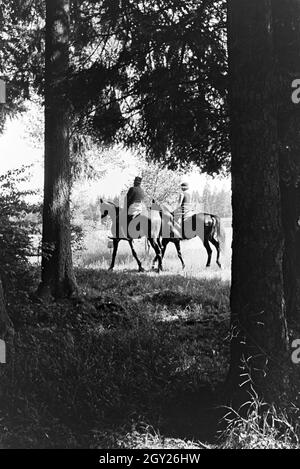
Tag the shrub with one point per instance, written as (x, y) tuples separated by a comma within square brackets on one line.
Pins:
[(19, 221)]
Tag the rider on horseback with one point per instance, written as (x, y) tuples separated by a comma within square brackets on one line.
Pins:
[(135, 199), (184, 209), (134, 205)]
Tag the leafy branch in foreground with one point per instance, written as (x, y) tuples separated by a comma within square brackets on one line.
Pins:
[(156, 79)]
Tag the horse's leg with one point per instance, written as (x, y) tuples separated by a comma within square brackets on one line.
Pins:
[(156, 255), (156, 248), (209, 251), (165, 243), (115, 250), (154, 261), (159, 254), (162, 246), (135, 256), (217, 246), (177, 244)]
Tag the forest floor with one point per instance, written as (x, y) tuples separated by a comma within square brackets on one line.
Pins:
[(137, 361)]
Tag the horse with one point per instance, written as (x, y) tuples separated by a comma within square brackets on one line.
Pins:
[(128, 228), (210, 231)]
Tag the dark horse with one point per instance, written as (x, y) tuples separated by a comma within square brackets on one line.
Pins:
[(147, 226), (210, 232)]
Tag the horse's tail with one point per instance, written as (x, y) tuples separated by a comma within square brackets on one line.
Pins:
[(218, 231)]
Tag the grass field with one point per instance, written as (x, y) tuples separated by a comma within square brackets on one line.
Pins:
[(97, 255), (137, 361)]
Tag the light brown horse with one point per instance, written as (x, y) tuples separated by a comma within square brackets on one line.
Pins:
[(127, 228)]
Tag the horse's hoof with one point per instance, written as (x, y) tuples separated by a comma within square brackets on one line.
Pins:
[(183, 267), (219, 265), (111, 269), (141, 270), (208, 266)]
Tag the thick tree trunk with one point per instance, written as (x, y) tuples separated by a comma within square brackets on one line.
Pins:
[(57, 268), (259, 334), (286, 14)]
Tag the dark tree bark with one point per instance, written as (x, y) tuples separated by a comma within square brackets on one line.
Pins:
[(6, 334), (6, 326), (286, 15), (259, 333), (57, 268)]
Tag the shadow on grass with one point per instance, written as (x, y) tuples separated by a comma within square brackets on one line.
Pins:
[(194, 314), (194, 415)]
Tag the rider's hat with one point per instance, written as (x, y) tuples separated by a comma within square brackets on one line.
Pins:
[(137, 180), (184, 186)]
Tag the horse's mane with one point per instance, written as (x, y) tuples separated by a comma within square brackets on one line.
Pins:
[(112, 203), (117, 207)]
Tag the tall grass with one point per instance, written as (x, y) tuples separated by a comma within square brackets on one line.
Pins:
[(97, 255), (263, 427)]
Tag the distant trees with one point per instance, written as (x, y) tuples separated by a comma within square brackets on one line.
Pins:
[(259, 332), (159, 183), (216, 201)]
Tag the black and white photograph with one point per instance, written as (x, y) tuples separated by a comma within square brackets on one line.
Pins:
[(149, 228)]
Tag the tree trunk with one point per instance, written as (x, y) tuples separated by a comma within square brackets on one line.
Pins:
[(57, 268), (6, 326), (286, 14), (6, 342), (259, 333)]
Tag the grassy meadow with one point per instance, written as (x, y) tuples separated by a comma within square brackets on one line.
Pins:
[(97, 255)]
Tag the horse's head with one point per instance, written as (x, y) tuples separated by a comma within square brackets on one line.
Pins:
[(108, 209)]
